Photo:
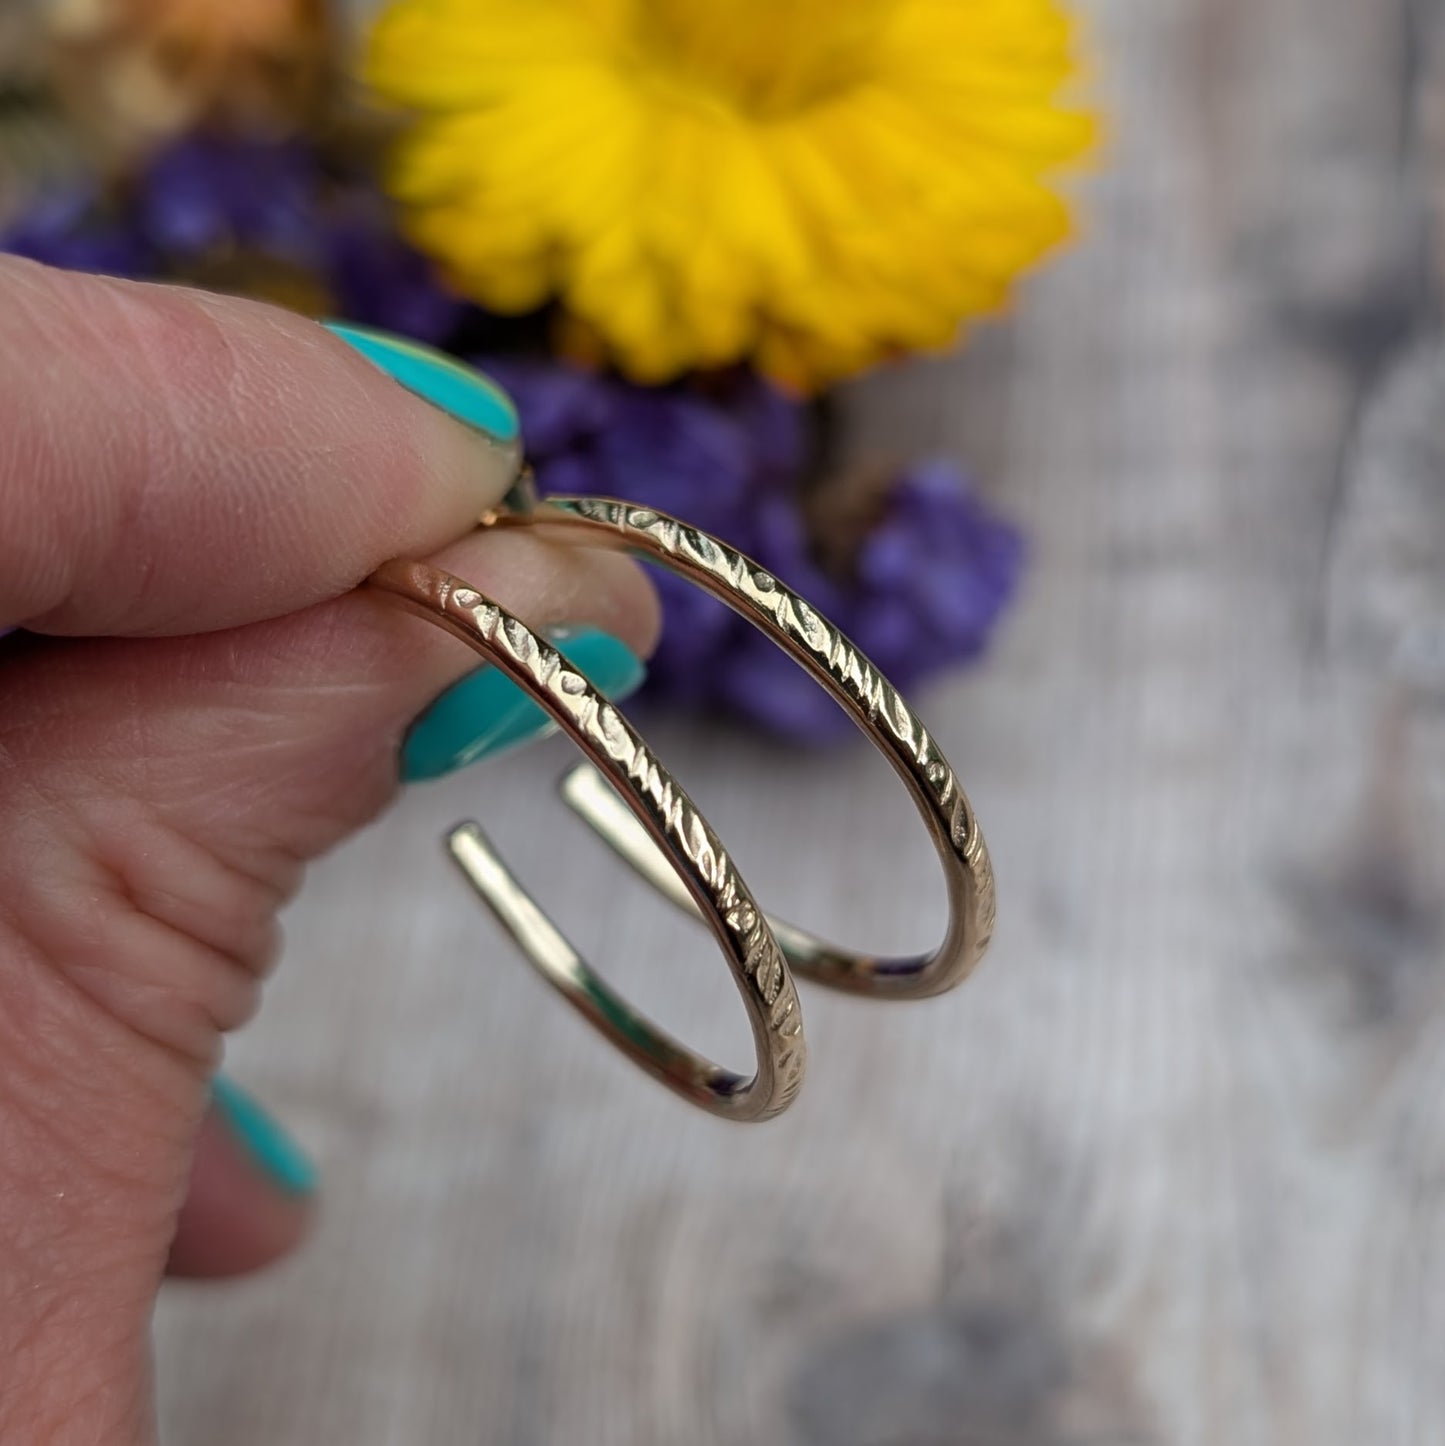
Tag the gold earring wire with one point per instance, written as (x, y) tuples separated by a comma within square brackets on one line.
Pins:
[(676, 832), (864, 693)]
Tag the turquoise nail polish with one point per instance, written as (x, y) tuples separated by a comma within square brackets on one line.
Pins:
[(266, 1142), (445, 382), (486, 712)]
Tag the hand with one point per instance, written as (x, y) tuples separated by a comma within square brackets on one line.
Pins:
[(190, 488)]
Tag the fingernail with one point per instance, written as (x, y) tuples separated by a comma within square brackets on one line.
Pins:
[(457, 389), (272, 1149), (486, 713)]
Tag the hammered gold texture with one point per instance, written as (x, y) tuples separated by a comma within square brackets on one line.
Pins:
[(871, 700), (755, 959)]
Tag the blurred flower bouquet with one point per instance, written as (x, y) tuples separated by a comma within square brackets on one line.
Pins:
[(665, 225)]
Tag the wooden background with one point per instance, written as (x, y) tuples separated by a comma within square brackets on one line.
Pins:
[(1172, 1167)]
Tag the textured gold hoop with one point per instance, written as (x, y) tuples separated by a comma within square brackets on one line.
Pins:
[(658, 808), (865, 694)]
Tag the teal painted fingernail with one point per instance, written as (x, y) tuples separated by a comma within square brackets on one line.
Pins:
[(444, 381), (486, 712), (265, 1141)]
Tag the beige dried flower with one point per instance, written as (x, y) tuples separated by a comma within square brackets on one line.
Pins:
[(136, 72)]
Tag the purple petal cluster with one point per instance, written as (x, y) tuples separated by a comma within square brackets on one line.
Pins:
[(928, 582), (67, 228), (377, 279), (213, 196), (209, 193)]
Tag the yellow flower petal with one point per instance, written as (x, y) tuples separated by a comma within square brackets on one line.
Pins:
[(813, 184)]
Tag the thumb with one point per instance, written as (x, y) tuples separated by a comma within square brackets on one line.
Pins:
[(176, 462)]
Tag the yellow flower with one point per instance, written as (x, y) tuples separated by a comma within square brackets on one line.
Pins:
[(817, 184)]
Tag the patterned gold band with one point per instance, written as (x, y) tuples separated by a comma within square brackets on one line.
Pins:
[(873, 703), (674, 827), (632, 801)]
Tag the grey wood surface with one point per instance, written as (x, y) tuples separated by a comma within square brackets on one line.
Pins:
[(1172, 1167)]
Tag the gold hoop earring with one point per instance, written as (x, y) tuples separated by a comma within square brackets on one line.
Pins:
[(871, 701), (666, 818)]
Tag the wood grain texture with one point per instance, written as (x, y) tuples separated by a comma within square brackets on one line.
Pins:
[(1171, 1167)]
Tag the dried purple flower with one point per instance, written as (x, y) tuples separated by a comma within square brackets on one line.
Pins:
[(926, 588), (70, 229), (209, 206), (922, 591), (377, 279), (208, 193)]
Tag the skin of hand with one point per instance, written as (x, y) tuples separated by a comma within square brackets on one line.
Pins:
[(191, 487)]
